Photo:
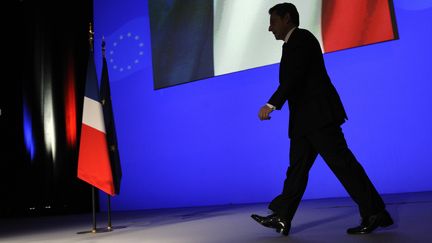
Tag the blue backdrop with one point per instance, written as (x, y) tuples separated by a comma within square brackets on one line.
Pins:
[(201, 143)]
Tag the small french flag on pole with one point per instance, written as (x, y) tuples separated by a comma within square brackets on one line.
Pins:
[(93, 161)]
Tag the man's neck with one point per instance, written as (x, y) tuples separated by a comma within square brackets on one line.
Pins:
[(291, 26), (288, 34)]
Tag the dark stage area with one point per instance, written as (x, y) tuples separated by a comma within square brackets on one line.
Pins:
[(322, 220)]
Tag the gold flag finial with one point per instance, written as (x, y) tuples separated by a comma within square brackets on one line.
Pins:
[(91, 36)]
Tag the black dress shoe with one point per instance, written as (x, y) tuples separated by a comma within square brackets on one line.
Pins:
[(382, 219), (273, 221)]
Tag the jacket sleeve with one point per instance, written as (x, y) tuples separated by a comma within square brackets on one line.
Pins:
[(293, 68)]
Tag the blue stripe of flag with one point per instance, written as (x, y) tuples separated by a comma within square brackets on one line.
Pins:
[(92, 88)]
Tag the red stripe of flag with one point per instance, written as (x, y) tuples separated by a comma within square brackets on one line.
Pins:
[(347, 24), (94, 165)]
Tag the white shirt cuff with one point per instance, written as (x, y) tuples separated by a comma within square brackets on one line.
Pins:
[(271, 106)]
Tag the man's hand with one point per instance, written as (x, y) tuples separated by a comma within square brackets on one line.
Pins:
[(264, 113)]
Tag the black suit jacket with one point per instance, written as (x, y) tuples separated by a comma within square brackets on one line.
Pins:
[(303, 81)]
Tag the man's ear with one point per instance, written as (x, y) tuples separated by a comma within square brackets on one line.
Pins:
[(287, 18)]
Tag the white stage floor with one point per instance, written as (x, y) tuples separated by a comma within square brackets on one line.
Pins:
[(323, 220)]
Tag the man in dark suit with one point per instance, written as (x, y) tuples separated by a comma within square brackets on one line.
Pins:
[(316, 114)]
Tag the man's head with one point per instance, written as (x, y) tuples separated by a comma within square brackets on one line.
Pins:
[(283, 17)]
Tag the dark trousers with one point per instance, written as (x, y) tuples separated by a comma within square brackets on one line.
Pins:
[(329, 142)]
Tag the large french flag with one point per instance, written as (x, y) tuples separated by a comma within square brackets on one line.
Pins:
[(193, 40), (93, 161)]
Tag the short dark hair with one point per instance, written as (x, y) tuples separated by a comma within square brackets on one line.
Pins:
[(282, 9)]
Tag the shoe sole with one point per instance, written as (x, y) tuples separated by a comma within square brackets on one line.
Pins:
[(384, 224), (278, 229)]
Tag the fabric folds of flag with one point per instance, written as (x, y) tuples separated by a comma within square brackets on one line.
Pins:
[(192, 40), (111, 135), (93, 161)]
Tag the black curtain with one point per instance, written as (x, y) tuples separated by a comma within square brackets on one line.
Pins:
[(46, 47)]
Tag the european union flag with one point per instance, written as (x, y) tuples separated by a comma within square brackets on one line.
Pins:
[(111, 135)]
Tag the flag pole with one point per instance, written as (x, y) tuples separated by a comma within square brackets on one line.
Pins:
[(91, 38), (109, 214), (109, 228), (94, 230), (94, 209)]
